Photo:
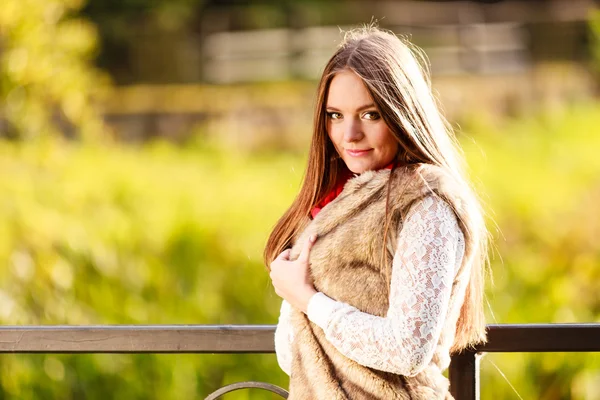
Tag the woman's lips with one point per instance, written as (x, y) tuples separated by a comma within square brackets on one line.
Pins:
[(357, 153)]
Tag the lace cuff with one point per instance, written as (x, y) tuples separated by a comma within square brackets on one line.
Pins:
[(320, 308)]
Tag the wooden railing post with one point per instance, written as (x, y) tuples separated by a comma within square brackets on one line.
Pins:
[(464, 376)]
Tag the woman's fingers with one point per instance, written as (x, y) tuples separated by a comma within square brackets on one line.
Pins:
[(284, 255), (304, 254), (306, 249)]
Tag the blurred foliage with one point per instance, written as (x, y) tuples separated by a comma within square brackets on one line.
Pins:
[(47, 81), (110, 235), (159, 234), (542, 179), (127, 27), (594, 24), (115, 17)]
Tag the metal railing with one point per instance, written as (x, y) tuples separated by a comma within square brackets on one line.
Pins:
[(528, 338), (464, 368)]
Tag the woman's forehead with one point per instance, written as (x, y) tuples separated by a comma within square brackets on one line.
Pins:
[(348, 91)]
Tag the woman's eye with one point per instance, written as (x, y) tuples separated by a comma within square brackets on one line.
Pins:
[(334, 115), (372, 115)]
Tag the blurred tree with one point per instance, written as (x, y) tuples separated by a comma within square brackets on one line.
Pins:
[(128, 25), (47, 81), (594, 24)]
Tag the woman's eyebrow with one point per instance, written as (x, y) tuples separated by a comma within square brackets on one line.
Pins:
[(361, 108)]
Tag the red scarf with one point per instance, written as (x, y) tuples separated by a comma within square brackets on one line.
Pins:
[(337, 189)]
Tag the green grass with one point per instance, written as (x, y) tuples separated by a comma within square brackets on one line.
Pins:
[(159, 234)]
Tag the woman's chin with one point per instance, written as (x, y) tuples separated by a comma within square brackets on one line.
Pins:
[(358, 168)]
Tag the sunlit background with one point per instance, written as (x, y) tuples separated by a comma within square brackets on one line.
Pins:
[(148, 146)]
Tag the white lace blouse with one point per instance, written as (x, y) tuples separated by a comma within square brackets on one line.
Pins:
[(429, 252)]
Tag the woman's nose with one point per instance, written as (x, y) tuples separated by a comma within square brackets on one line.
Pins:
[(352, 131)]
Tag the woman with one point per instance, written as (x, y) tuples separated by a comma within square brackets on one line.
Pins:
[(379, 259)]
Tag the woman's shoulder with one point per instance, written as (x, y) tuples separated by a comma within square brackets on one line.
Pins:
[(434, 175), (432, 207), (419, 180)]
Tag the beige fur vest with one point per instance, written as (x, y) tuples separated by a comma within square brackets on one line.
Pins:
[(347, 264)]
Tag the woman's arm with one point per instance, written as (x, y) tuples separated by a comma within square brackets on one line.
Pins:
[(284, 335), (430, 249)]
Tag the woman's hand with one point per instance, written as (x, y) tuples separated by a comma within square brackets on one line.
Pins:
[(291, 279)]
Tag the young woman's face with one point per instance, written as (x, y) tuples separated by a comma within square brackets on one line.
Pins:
[(359, 134)]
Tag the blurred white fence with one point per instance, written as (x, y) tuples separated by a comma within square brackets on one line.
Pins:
[(483, 57), (280, 54), (458, 37)]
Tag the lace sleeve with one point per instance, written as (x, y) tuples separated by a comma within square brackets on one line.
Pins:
[(284, 336), (430, 249)]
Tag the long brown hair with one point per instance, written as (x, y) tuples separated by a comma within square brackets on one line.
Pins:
[(396, 75)]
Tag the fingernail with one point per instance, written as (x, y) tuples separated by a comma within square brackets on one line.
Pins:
[(313, 238)]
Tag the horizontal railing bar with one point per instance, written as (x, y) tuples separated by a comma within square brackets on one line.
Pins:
[(524, 338), (258, 338), (138, 339)]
